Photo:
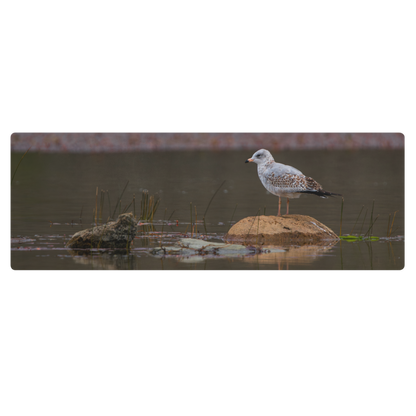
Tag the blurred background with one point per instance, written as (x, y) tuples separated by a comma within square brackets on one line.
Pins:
[(119, 142)]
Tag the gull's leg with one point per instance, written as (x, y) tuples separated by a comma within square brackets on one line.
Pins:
[(287, 206), (280, 203)]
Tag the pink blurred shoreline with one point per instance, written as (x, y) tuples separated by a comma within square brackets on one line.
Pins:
[(130, 142)]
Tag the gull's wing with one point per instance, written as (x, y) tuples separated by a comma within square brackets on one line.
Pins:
[(287, 179), (282, 176)]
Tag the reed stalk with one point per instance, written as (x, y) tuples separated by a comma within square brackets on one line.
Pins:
[(101, 208), (96, 209), (119, 200), (232, 216), (212, 198), (196, 222), (102, 198), (342, 209), (371, 217), (171, 215), (155, 208), (17, 167), (258, 212), (192, 229), (143, 208), (128, 241), (163, 223), (357, 219), (371, 227), (149, 206), (388, 226), (258, 226), (127, 207), (101, 237), (143, 204), (93, 227), (209, 203), (362, 225), (109, 204), (392, 223)]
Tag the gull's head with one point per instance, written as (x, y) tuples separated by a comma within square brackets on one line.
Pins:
[(260, 157)]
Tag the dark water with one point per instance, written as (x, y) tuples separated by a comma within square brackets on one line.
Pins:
[(50, 191)]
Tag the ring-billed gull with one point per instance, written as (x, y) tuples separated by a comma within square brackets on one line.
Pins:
[(283, 180)]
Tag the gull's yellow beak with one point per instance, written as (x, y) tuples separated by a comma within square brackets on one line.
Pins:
[(248, 160)]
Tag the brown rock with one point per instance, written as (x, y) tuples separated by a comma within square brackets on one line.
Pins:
[(115, 234), (286, 229)]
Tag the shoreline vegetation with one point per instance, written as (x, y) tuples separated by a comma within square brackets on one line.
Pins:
[(130, 142)]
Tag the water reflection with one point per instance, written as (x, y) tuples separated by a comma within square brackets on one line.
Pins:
[(104, 260), (294, 255)]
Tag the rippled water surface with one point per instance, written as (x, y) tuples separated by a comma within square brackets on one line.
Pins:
[(54, 195)]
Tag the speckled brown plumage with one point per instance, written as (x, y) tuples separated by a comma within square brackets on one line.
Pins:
[(297, 183), (283, 180), (293, 182)]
